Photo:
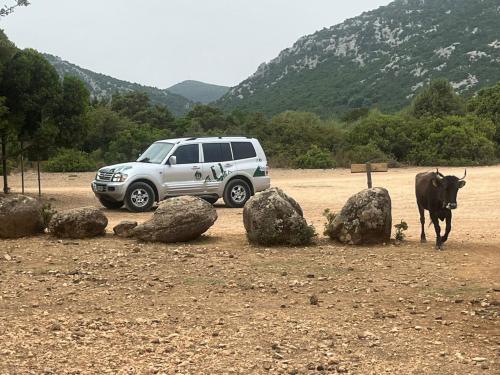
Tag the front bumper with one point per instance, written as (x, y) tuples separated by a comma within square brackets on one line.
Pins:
[(113, 190)]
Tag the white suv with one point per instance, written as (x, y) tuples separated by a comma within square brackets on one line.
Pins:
[(233, 168)]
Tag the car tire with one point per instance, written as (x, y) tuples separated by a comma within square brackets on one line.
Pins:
[(140, 197), (237, 193), (109, 203)]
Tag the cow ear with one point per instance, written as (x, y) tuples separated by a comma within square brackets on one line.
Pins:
[(436, 182), (461, 184)]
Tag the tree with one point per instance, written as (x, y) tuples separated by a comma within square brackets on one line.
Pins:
[(32, 88), (72, 121), (137, 107), (437, 100), (8, 9), (486, 104)]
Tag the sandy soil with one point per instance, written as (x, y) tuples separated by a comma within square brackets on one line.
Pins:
[(221, 306)]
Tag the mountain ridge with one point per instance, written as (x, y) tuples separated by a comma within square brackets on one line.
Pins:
[(102, 86), (379, 59), (199, 92)]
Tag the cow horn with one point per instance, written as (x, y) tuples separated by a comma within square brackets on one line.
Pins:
[(465, 175), (438, 174)]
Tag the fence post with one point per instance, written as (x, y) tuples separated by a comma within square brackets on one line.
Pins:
[(369, 174)]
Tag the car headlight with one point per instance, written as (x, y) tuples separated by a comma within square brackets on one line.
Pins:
[(119, 177)]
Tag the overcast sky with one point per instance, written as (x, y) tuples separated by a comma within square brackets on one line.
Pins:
[(162, 42)]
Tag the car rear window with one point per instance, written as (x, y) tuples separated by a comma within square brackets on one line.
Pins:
[(188, 154), (216, 152), (243, 150)]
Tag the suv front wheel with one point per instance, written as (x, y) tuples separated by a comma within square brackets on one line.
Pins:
[(237, 193), (140, 197)]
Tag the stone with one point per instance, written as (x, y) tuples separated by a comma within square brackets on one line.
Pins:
[(125, 228), (78, 223), (366, 219), (179, 219), (273, 218), (20, 216)]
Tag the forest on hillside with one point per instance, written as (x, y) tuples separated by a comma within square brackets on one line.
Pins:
[(57, 121)]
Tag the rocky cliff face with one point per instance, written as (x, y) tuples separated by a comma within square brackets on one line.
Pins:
[(381, 58)]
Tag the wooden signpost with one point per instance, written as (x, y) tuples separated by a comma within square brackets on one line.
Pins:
[(369, 168)]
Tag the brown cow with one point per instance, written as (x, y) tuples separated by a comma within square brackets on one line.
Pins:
[(437, 194)]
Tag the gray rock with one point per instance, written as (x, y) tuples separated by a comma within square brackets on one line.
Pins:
[(365, 219), (20, 216), (179, 219), (273, 218), (125, 228), (84, 222)]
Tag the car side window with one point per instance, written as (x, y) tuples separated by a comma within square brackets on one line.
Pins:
[(243, 150), (188, 154), (217, 152)]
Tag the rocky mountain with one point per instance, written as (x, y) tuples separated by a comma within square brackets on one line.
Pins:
[(199, 92), (379, 59), (103, 86)]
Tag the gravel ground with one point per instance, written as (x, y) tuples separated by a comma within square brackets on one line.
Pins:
[(221, 306)]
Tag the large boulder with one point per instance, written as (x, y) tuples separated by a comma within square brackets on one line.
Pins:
[(78, 223), (366, 219), (273, 218), (20, 216), (179, 219)]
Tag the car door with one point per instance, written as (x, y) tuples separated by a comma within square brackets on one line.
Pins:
[(185, 177), (218, 165)]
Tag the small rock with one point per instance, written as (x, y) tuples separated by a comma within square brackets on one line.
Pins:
[(124, 229), (313, 300)]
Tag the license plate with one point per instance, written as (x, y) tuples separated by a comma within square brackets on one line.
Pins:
[(100, 188)]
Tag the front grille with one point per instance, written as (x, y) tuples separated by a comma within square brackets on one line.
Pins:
[(104, 176)]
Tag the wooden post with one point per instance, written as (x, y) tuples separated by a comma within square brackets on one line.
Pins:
[(369, 175), (369, 168), (22, 167), (39, 182), (4, 163)]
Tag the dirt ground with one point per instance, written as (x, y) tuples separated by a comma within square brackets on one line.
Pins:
[(221, 306)]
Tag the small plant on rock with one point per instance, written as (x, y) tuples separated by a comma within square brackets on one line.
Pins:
[(400, 229), (330, 217), (47, 213)]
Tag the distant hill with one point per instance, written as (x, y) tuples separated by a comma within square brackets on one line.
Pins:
[(199, 92), (103, 86), (379, 59)]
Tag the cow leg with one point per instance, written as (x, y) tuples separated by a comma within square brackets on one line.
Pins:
[(435, 221), (422, 222), (448, 227)]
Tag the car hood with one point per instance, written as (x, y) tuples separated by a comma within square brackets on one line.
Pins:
[(130, 167)]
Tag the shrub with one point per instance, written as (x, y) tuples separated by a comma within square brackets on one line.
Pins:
[(315, 158), (400, 230), (364, 154), (47, 213), (69, 160)]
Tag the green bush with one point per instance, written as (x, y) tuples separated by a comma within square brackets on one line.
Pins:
[(315, 158), (69, 160), (364, 154)]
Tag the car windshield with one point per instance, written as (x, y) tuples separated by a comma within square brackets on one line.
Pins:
[(156, 153)]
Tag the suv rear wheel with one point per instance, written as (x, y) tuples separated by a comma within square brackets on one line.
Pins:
[(237, 193), (109, 203), (140, 197)]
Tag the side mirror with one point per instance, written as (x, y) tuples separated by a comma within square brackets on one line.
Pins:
[(172, 160)]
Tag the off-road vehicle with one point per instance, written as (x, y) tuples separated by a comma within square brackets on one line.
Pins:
[(232, 168)]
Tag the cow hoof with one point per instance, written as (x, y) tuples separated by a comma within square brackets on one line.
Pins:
[(423, 240)]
